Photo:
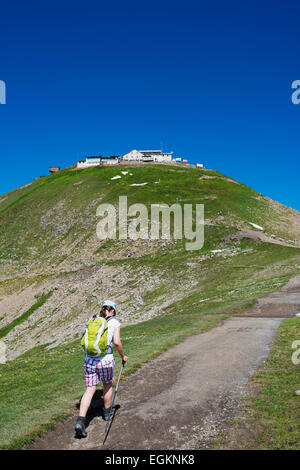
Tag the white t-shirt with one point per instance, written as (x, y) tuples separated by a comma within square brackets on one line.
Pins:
[(112, 324)]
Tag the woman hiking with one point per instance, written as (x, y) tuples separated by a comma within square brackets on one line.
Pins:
[(98, 369)]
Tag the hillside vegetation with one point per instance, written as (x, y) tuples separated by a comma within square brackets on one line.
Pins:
[(54, 270), (48, 243)]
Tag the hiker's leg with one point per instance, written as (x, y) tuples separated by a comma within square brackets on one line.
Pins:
[(107, 394), (86, 400)]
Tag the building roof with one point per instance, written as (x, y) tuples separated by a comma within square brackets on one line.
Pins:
[(150, 152), (159, 152), (131, 151)]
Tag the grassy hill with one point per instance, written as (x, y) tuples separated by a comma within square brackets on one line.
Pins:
[(54, 271)]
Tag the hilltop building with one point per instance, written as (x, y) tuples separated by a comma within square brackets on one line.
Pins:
[(96, 161), (89, 161), (147, 156), (142, 156), (112, 160), (54, 169)]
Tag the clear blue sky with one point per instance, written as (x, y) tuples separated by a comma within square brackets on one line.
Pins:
[(209, 80)]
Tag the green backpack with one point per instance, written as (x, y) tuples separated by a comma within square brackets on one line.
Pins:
[(94, 339)]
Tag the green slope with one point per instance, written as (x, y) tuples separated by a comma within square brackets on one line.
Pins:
[(48, 243)]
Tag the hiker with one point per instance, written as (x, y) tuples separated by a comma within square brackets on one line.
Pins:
[(98, 369)]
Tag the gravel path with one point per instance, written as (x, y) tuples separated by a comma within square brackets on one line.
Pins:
[(182, 399)]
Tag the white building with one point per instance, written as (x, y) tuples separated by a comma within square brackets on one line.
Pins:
[(147, 156), (89, 161), (133, 155), (113, 160)]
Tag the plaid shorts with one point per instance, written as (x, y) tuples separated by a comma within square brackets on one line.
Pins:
[(96, 371)]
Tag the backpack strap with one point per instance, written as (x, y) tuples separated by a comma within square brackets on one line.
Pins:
[(109, 348)]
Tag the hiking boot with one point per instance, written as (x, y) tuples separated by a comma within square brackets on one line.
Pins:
[(80, 427), (108, 414)]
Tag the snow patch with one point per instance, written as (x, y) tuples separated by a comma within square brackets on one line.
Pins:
[(255, 226)]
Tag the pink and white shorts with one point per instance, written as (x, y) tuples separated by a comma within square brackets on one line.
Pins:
[(96, 371)]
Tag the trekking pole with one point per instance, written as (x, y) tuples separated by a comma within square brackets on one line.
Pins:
[(107, 427)]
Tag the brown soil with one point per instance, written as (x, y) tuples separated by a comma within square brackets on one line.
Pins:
[(257, 235)]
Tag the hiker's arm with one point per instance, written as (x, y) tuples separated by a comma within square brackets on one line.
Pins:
[(118, 344)]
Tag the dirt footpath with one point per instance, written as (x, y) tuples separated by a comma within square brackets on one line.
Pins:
[(182, 399)]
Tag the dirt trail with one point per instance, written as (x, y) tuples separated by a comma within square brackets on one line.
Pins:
[(184, 398)]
